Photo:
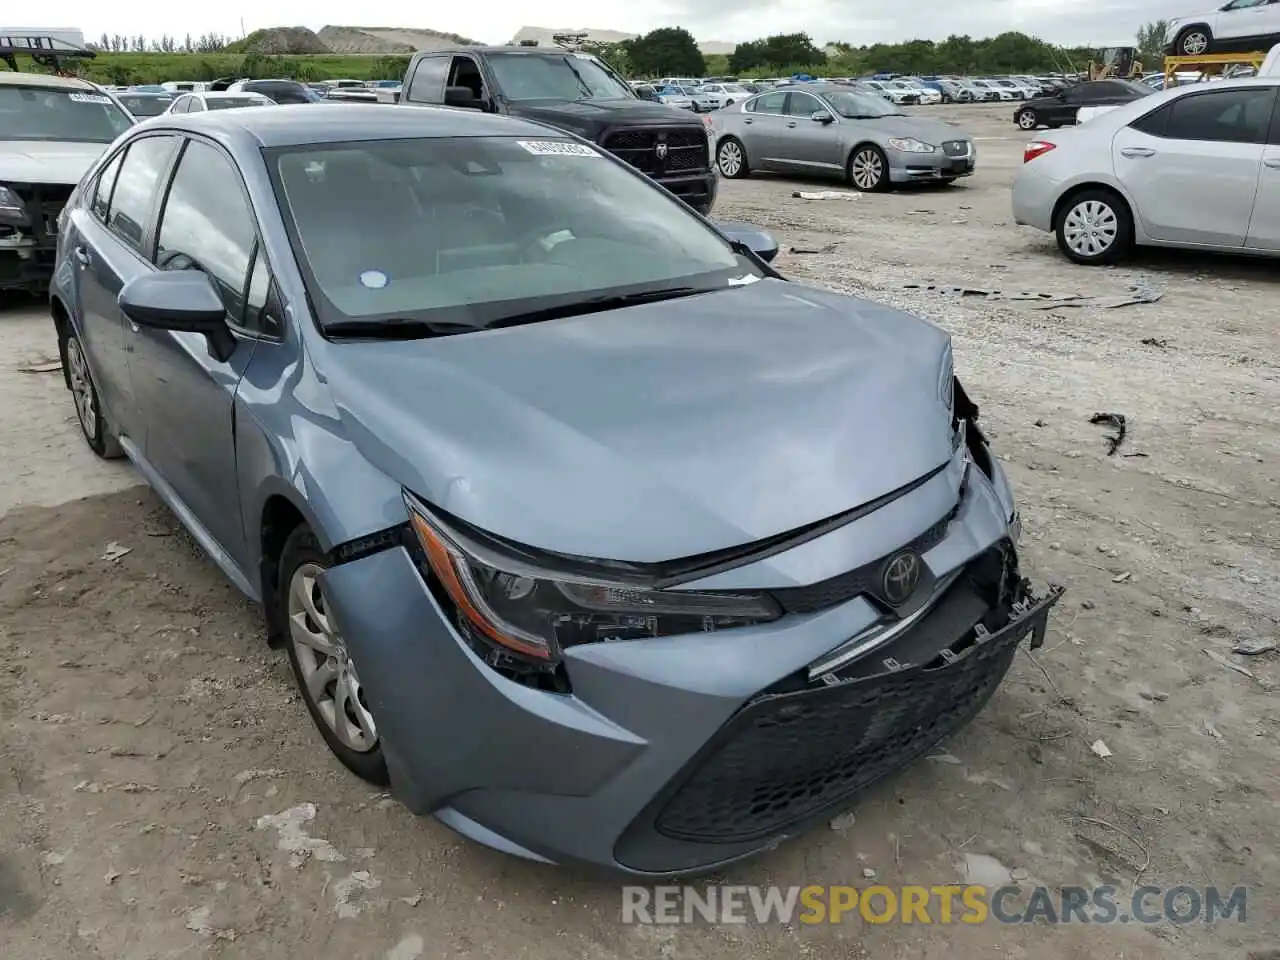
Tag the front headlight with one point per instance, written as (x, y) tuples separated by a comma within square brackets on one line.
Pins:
[(911, 145), (517, 605), (947, 380), (12, 210)]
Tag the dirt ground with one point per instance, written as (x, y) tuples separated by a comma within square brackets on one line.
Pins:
[(163, 794)]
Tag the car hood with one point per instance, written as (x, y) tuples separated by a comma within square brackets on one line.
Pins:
[(40, 161), (594, 114), (659, 431), (923, 128)]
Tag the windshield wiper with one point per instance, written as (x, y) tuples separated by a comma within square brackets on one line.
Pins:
[(609, 301), (394, 328), (589, 93)]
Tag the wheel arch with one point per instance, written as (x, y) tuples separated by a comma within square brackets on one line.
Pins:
[(280, 515), (61, 324)]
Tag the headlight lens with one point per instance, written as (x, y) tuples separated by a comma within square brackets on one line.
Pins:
[(947, 380), (536, 613), (12, 209), (911, 145)]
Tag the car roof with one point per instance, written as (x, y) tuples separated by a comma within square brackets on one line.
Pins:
[(304, 123), (227, 94), (167, 94), (9, 78)]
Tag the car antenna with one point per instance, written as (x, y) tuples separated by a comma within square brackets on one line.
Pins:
[(55, 53)]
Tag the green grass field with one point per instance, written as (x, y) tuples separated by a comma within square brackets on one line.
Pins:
[(131, 68)]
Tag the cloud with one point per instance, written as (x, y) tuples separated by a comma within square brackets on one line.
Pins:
[(859, 22)]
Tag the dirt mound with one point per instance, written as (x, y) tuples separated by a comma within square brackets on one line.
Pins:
[(280, 40), (389, 39)]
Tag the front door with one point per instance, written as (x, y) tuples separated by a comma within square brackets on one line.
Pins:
[(185, 391), (1192, 166), (811, 145), (1246, 19), (107, 251), (1264, 225)]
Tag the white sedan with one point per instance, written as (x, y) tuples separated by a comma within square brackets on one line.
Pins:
[(1188, 167)]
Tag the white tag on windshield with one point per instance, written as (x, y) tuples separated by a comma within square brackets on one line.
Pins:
[(89, 98), (557, 148), (743, 281)]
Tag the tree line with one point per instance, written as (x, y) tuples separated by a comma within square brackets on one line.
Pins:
[(166, 43)]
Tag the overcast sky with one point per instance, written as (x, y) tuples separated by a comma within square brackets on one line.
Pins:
[(1087, 22)]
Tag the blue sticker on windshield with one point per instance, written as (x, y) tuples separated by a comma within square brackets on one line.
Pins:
[(374, 279)]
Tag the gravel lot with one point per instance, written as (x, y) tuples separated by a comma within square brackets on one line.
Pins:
[(163, 794)]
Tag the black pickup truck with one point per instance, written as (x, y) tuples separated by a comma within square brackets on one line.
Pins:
[(578, 93)]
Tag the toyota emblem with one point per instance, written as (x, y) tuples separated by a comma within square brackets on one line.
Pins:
[(661, 151), (901, 577)]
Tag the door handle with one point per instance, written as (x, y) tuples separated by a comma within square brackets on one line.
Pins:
[(1272, 162), (81, 255), (1134, 153), (791, 124), (747, 121)]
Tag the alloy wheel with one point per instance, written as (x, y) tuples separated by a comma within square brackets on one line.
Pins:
[(730, 158), (1027, 120), (1194, 43), (1090, 228), (866, 169), (327, 669), (82, 389)]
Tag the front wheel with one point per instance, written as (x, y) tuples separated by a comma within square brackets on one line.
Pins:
[(1193, 42), (868, 169), (731, 158), (1095, 228), (1027, 120), (322, 666)]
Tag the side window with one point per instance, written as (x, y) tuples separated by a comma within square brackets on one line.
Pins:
[(136, 189), (465, 73), (1154, 123), (1228, 116), (194, 105), (427, 85), (802, 105), (256, 315), (106, 182), (770, 103), (207, 224), (180, 105)]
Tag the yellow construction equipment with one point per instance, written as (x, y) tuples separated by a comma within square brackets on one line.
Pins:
[(1119, 62), (1210, 64)]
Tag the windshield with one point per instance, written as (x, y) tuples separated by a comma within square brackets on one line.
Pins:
[(74, 116), (145, 106), (567, 76), (855, 105), (283, 92), (223, 103), (480, 230)]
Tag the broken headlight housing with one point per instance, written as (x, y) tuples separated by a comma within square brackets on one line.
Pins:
[(520, 606), (13, 211)]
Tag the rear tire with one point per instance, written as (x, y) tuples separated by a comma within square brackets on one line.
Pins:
[(731, 159), (94, 427), (324, 671), (1095, 228)]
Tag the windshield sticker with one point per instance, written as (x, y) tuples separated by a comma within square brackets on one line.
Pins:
[(89, 98), (743, 281), (557, 148), (374, 279)]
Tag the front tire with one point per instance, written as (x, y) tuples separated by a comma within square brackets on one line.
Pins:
[(731, 159), (324, 671), (1095, 228), (85, 395), (868, 169), (1027, 120), (1193, 42)]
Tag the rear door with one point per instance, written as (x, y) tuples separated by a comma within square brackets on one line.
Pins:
[(114, 234), (1264, 225), (187, 394), (763, 124), (1192, 166)]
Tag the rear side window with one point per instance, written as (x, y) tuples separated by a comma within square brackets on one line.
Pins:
[(1225, 116), (136, 188), (1154, 123), (207, 224), (427, 85), (769, 103), (106, 183)]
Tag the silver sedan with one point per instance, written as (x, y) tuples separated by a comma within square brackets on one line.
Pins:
[(829, 128), (1191, 167)]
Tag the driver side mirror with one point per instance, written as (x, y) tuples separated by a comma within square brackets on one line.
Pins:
[(462, 97), (821, 116), (180, 300), (755, 239)]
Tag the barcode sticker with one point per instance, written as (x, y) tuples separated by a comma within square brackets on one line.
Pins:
[(558, 148), (89, 98)]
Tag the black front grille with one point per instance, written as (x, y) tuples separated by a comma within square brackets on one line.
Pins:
[(955, 148), (44, 202), (789, 757), (658, 151), (853, 583)]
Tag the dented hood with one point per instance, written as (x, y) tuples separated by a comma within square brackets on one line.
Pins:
[(658, 431)]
